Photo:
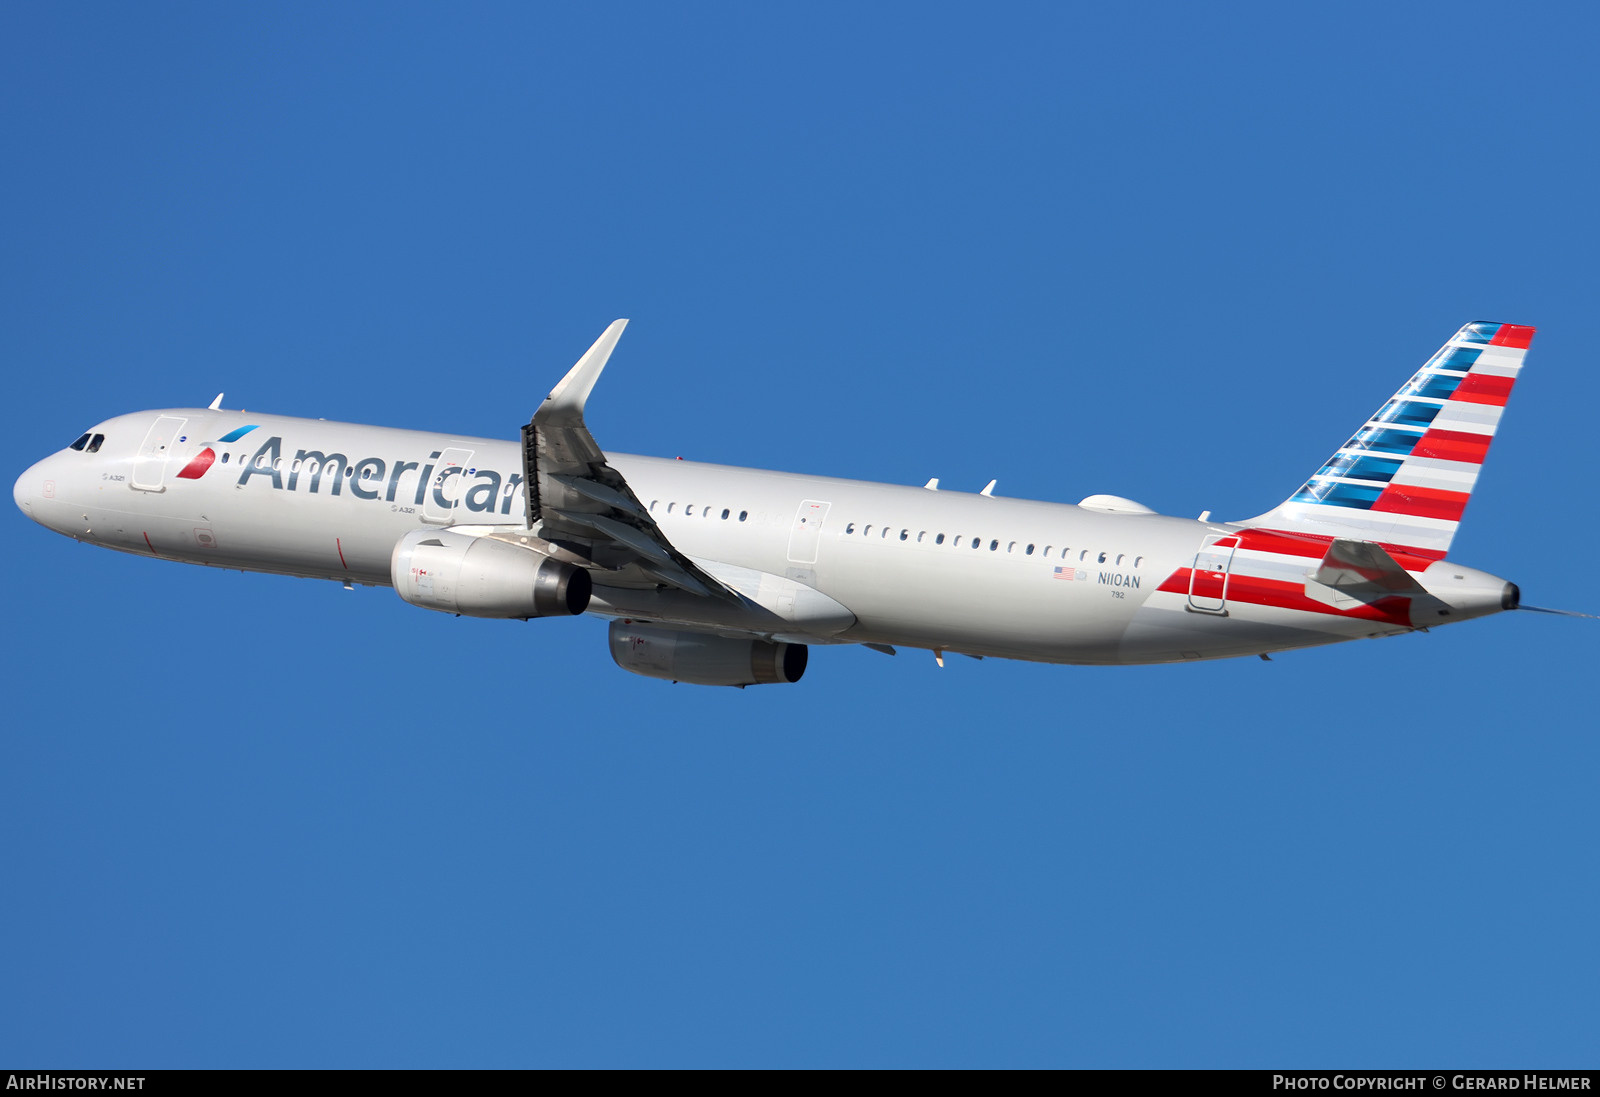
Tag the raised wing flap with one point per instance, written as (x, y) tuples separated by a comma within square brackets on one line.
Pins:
[(602, 494), (579, 502), (636, 539)]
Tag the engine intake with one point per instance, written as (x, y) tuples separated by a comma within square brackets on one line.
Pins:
[(482, 577), (702, 659)]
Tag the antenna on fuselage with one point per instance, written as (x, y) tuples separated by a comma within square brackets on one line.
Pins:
[(932, 485), (216, 405), (989, 491)]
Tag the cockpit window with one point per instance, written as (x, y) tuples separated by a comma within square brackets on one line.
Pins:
[(81, 442), (94, 443)]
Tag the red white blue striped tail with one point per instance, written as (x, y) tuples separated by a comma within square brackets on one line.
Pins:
[(1406, 476)]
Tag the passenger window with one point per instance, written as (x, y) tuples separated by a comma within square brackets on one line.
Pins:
[(724, 514), (261, 462), (1102, 559), (653, 502), (920, 535), (670, 506), (938, 539), (1084, 555), (277, 465), (904, 534), (294, 466), (225, 457), (850, 527), (80, 443), (977, 542), (1047, 551), (1136, 560), (1030, 550), (867, 532), (994, 546), (688, 510), (885, 533), (1012, 547), (743, 514), (1120, 555)]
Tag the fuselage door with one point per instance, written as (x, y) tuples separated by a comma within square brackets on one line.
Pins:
[(1208, 579), (150, 463), (447, 485), (806, 533)]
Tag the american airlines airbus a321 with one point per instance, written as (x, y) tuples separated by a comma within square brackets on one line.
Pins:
[(723, 576)]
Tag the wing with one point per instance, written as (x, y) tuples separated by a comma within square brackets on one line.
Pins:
[(583, 506)]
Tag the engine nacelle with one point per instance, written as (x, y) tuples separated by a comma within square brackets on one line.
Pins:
[(702, 659), (482, 577)]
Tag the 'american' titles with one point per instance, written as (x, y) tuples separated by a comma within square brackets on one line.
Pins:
[(365, 478)]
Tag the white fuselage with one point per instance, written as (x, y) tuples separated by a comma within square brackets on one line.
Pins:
[(834, 560)]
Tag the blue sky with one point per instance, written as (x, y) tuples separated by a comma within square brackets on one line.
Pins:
[(1166, 252)]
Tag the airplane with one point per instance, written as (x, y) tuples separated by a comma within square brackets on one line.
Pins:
[(716, 575)]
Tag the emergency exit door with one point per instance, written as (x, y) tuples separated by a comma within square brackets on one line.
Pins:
[(806, 533), (1208, 579), (150, 463)]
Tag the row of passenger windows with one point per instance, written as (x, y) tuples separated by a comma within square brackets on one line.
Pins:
[(690, 510), (885, 533)]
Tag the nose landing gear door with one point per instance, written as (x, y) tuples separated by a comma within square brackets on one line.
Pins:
[(1208, 579)]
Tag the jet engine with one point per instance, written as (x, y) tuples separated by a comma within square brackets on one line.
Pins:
[(702, 659), (482, 577)]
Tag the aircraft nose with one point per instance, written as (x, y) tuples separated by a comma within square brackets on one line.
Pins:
[(32, 486)]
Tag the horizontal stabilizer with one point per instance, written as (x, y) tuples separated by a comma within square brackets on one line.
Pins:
[(1359, 573), (1364, 565)]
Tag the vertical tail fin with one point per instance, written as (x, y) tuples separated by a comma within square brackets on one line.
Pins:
[(1405, 477)]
